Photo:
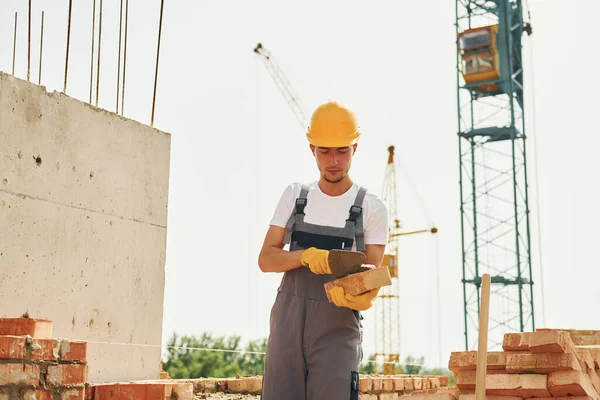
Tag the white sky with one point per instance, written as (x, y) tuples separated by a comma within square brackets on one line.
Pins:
[(236, 144)]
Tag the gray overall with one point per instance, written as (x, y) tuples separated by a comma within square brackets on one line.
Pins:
[(314, 347)]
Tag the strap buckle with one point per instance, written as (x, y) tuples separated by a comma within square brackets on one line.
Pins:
[(355, 212), (300, 204)]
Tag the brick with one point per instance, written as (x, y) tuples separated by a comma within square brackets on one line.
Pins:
[(361, 282), (444, 380), (73, 394), (594, 379), (520, 385), (36, 328), (6, 396), (471, 396), (388, 396), (418, 383), (570, 383), (19, 374), (44, 350), (251, 385), (565, 398), (377, 385), (516, 341), (67, 374), (398, 383), (367, 397), (408, 384), (134, 391), (467, 360), (541, 363), (71, 350), (549, 342), (432, 394), (586, 356), (365, 383), (387, 384), (39, 394), (594, 353), (12, 347)]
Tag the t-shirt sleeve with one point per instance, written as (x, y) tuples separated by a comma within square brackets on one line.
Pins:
[(284, 207), (376, 225)]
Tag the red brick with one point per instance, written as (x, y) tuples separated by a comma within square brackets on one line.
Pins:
[(467, 360), (185, 391), (39, 394), (73, 351), (72, 394), (134, 391), (245, 385), (444, 380), (67, 374), (388, 396), (570, 383), (361, 282), (365, 384), (367, 397), (516, 341), (549, 342), (6, 396), (19, 374), (44, 350), (36, 328), (541, 363), (520, 385), (12, 347)]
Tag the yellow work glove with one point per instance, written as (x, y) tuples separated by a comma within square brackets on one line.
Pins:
[(316, 260), (361, 302)]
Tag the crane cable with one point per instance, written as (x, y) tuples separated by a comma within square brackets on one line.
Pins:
[(535, 162)]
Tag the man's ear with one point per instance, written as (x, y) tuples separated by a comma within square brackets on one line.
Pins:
[(354, 147)]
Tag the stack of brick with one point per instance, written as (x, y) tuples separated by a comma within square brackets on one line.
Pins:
[(392, 387), (34, 366), (545, 364)]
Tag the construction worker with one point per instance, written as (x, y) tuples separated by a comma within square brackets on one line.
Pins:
[(315, 347)]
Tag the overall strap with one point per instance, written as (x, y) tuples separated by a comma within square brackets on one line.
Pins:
[(297, 214), (355, 218)]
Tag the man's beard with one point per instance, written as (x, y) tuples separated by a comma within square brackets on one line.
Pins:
[(335, 181)]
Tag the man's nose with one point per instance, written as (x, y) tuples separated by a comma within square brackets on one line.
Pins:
[(333, 158)]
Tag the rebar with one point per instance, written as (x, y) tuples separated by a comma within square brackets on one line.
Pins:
[(41, 47), (68, 44), (162, 3)]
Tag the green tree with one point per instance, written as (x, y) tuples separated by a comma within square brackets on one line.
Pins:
[(192, 357), (413, 365)]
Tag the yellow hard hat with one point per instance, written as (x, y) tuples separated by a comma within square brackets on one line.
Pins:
[(333, 125)]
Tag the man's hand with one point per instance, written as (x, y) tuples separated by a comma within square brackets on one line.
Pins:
[(361, 302), (316, 260)]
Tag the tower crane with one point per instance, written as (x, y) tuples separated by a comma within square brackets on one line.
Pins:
[(387, 305), (493, 169)]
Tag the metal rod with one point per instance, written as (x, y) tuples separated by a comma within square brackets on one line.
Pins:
[(14, 45), (29, 43), (92, 58), (124, 56), (162, 3), (99, 52), (41, 47), (68, 44), (119, 61)]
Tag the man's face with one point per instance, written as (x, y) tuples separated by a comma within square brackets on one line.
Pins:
[(333, 162)]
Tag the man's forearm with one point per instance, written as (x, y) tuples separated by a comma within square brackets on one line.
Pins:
[(278, 260)]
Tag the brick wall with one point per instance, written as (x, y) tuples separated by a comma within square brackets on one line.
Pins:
[(35, 366)]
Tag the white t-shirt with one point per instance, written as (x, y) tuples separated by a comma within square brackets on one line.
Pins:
[(322, 209)]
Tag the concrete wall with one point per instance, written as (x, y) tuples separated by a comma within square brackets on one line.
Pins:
[(83, 225)]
